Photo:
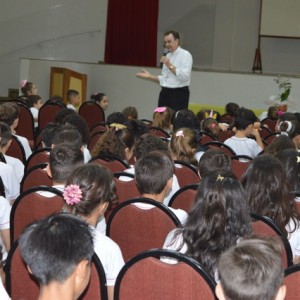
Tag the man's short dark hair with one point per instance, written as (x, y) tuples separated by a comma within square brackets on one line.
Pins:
[(68, 134), (54, 246), (152, 172), (9, 112), (48, 133), (5, 134), (251, 270), (72, 93), (174, 33), (148, 143), (245, 117), (64, 158)]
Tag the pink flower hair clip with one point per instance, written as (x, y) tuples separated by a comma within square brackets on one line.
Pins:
[(213, 125), (179, 133), (280, 113), (23, 83), (160, 109), (72, 194)]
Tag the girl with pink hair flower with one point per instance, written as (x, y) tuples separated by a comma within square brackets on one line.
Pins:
[(90, 189), (162, 118)]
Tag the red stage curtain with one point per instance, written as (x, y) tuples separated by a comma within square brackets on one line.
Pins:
[(131, 32)]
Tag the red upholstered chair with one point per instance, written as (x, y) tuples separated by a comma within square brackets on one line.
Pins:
[(147, 277), (220, 146), (98, 127), (34, 177), (37, 157), (271, 137), (271, 123), (206, 137), (264, 131), (114, 163), (186, 173), (184, 198), (94, 139), (26, 124), (92, 113), (226, 118), (239, 164), (224, 135), (21, 285), (33, 205), (16, 149), (264, 226), (47, 113), (136, 228), (158, 131), (96, 288), (291, 281)]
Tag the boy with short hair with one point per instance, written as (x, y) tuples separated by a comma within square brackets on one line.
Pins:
[(240, 143), (154, 176), (58, 252), (73, 99), (251, 270)]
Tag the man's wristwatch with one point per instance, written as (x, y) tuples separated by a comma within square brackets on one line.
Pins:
[(171, 67)]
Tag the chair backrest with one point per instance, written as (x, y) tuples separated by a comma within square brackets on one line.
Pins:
[(26, 124), (35, 176), (98, 127), (114, 163), (220, 146), (33, 205), (206, 137), (264, 226), (92, 113), (186, 173), (271, 137), (184, 198), (140, 224), (226, 118), (16, 149), (147, 277), (94, 139), (37, 157), (21, 285), (264, 131), (158, 131), (96, 288), (239, 164), (271, 123), (291, 281), (47, 113), (224, 135)]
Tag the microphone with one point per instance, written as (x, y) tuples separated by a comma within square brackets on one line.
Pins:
[(165, 52)]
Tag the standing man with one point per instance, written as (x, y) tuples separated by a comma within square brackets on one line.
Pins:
[(176, 74)]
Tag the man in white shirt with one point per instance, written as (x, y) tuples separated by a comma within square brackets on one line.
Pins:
[(176, 74)]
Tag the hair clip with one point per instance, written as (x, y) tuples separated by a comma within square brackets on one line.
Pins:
[(23, 83), (72, 194), (280, 113), (179, 133), (118, 126), (160, 109), (213, 125), (298, 159), (289, 126), (220, 178)]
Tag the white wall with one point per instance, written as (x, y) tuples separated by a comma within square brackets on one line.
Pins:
[(124, 88)]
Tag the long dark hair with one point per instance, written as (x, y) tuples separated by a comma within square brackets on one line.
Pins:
[(268, 192), (218, 219)]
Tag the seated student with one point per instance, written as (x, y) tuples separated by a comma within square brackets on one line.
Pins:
[(240, 142), (58, 252), (35, 102), (64, 158), (130, 112), (89, 191), (251, 270), (218, 220), (27, 88), (10, 182), (9, 114), (48, 133), (146, 144), (154, 175), (5, 209), (69, 134), (162, 118), (5, 142), (183, 146), (73, 99), (214, 161), (101, 99)]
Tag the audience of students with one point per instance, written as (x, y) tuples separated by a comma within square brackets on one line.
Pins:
[(216, 230)]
